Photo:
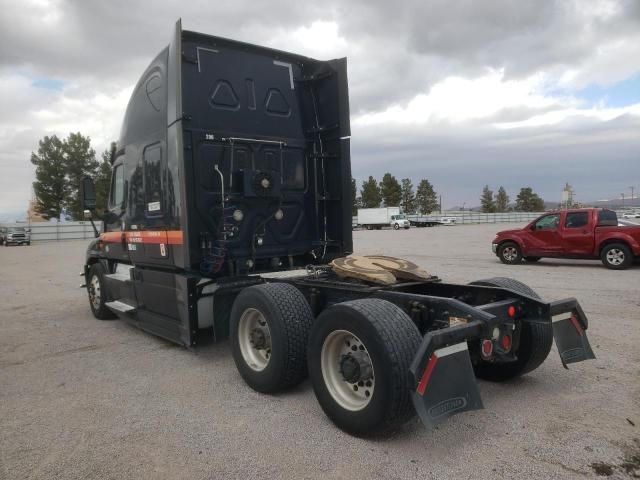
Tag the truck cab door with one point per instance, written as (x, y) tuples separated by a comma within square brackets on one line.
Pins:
[(114, 236), (577, 234), (544, 239)]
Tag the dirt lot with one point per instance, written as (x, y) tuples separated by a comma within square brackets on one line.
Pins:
[(80, 398)]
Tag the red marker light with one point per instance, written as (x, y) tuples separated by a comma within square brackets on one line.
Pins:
[(505, 342), (511, 311), (487, 348)]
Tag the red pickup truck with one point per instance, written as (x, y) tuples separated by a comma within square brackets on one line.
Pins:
[(586, 233)]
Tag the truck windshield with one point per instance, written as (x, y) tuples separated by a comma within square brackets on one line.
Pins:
[(400, 217), (16, 230)]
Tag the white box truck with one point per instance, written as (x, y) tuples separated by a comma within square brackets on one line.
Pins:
[(376, 218)]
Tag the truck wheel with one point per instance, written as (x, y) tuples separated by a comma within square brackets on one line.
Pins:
[(98, 293), (396, 226), (359, 356), (531, 259), (509, 253), (616, 256), (535, 340), (270, 326)]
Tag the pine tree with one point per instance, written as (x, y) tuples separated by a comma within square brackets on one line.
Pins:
[(486, 200), (390, 190), (502, 200), (529, 201), (370, 193), (408, 198), (80, 161), (50, 187), (426, 197)]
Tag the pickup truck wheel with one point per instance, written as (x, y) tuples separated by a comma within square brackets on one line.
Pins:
[(359, 355), (535, 340), (98, 293), (270, 326), (531, 259), (616, 256), (509, 253), (396, 226)]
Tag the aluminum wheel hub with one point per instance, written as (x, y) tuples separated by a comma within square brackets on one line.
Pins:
[(254, 339), (509, 253), (347, 370), (615, 256), (94, 292)]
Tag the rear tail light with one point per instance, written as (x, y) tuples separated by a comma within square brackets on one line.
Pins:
[(511, 311), (505, 342), (486, 348)]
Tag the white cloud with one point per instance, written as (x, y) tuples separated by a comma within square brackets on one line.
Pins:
[(457, 99), (320, 39)]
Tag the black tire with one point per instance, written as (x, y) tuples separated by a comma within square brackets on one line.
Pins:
[(396, 226), (509, 253), (535, 340), (98, 308), (616, 256), (28, 244), (391, 340), (288, 318), (531, 259)]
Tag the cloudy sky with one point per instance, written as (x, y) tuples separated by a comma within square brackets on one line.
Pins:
[(462, 92)]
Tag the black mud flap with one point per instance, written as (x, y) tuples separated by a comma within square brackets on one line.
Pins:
[(571, 338), (446, 384)]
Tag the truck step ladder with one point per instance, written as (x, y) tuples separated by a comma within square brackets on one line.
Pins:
[(121, 307), (120, 275)]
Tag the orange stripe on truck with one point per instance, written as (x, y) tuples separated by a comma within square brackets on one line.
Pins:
[(171, 237)]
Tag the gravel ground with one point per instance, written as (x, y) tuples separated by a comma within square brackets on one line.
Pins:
[(81, 398)]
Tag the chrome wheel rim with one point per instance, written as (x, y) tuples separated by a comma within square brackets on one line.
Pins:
[(94, 292), (350, 395), (510, 253), (254, 338), (615, 256)]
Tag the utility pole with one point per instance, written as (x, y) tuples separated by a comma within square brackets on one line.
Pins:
[(632, 189), (622, 195)]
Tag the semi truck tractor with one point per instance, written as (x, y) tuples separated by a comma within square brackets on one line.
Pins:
[(230, 200), (376, 218)]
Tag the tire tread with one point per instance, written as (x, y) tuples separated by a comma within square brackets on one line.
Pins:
[(297, 319)]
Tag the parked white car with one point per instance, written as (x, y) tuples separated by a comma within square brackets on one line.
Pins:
[(631, 215)]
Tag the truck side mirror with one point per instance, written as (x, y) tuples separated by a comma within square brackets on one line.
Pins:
[(88, 194)]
